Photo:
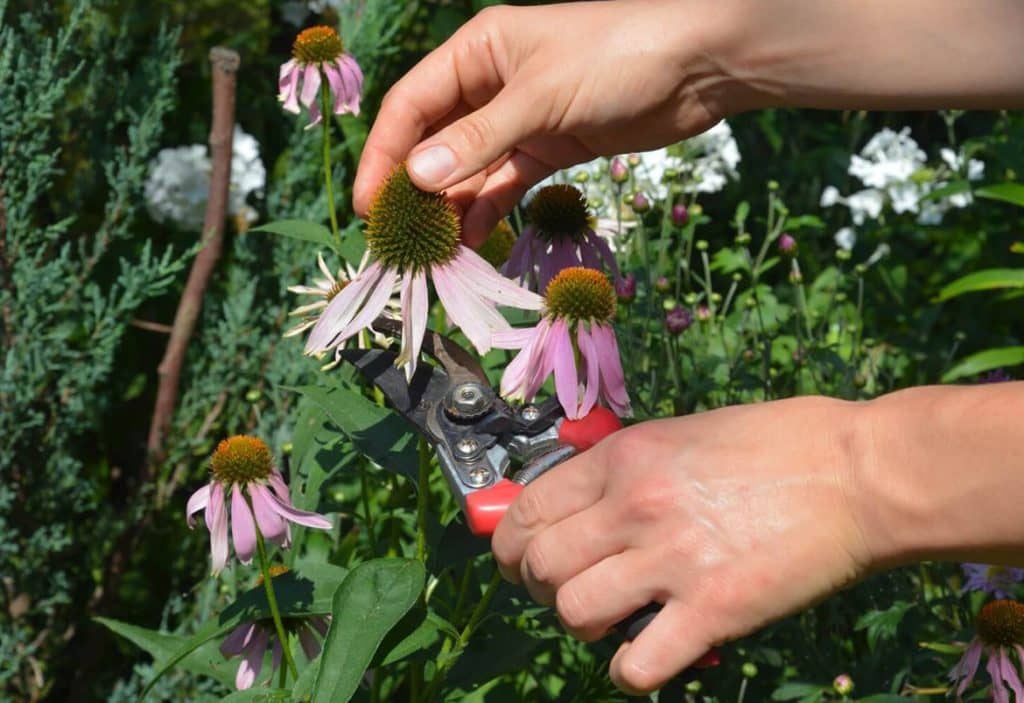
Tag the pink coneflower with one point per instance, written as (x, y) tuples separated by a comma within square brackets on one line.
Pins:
[(250, 640), (559, 236), (319, 50), (992, 578), (412, 234), (1000, 636), (243, 467), (575, 342)]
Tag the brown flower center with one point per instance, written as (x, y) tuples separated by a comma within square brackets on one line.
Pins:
[(579, 293), (317, 45), (241, 459), (559, 212), (1001, 623)]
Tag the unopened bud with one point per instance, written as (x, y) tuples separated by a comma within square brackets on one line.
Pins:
[(618, 171), (743, 239), (679, 215), (703, 313), (843, 254), (640, 203), (633, 160), (716, 298), (696, 209), (625, 288), (670, 174), (773, 185), (843, 684), (669, 304), (860, 269), (702, 245), (691, 299), (662, 284), (749, 670), (787, 245), (581, 177), (678, 320)]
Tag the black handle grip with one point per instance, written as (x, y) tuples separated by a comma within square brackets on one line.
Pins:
[(632, 626)]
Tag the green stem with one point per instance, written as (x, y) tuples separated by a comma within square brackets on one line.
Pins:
[(275, 613), (434, 689), (364, 487), (423, 490), (325, 108)]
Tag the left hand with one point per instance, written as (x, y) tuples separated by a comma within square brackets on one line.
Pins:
[(731, 519)]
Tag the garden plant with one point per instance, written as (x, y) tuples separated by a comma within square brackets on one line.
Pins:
[(276, 530)]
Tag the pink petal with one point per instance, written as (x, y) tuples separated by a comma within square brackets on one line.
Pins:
[(597, 242), (567, 382), (277, 483), (519, 261), (310, 84), (288, 84), (515, 338), (486, 281), (269, 522), (337, 316), (994, 667), (199, 500), (563, 255), (475, 316), (967, 668), (335, 81), (514, 379), (352, 80), (250, 667), (218, 528), (588, 351), (299, 517), (309, 643), (542, 357), (236, 642), (242, 528), (375, 305), (415, 305), (613, 381)]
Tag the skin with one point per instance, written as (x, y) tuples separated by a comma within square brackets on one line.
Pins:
[(740, 516)]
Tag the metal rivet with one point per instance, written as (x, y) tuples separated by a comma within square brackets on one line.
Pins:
[(468, 400), (467, 446), (530, 413), (479, 476)]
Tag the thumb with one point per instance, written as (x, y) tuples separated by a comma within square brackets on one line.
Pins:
[(471, 144)]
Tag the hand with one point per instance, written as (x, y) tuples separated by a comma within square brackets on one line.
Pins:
[(731, 518), (519, 92)]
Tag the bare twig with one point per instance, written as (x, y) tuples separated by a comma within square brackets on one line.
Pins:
[(225, 65), (151, 326)]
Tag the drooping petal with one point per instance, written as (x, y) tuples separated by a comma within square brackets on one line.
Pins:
[(588, 351), (277, 483), (967, 668), (270, 523), (335, 81), (242, 528), (275, 657), (199, 500), (300, 517), (1000, 694), (415, 304), (613, 380), (519, 261), (336, 318), (598, 242), (236, 642), (310, 84), (514, 379), (218, 529), (321, 623), (489, 284), (1010, 675), (352, 81), (566, 379), (515, 338), (252, 660), (309, 642), (288, 85), (374, 306), (477, 318), (542, 360)]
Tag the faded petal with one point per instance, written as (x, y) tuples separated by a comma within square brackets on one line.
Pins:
[(515, 338), (270, 523), (967, 668), (309, 642), (300, 517), (310, 84), (252, 660), (199, 500), (415, 309), (218, 525), (591, 359), (566, 379), (347, 100), (288, 86), (489, 284), (613, 380), (477, 318), (242, 528), (336, 318), (239, 638)]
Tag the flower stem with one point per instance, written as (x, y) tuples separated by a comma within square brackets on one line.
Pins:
[(434, 689), (422, 493), (325, 102), (275, 613)]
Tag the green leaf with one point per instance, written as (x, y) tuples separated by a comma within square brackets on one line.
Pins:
[(802, 221), (412, 634), (985, 361), (372, 598), (989, 279), (257, 695), (299, 229), (1012, 193), (379, 433), (303, 687), (947, 190), (792, 691), (353, 243), (884, 698), (882, 624), (306, 590)]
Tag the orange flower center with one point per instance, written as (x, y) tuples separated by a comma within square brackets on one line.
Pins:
[(1001, 623), (241, 459), (317, 45), (579, 293)]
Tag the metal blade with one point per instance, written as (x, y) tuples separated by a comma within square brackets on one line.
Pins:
[(458, 363)]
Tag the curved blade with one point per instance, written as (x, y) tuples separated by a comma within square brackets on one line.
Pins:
[(458, 363)]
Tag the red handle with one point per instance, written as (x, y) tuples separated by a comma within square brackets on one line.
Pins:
[(588, 431)]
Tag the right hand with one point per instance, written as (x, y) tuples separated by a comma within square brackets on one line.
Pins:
[(519, 92)]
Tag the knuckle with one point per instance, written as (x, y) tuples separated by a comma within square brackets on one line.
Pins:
[(572, 608), (538, 562), (475, 132), (649, 500), (492, 15), (528, 508)]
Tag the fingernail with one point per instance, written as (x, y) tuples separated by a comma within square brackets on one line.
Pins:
[(432, 165)]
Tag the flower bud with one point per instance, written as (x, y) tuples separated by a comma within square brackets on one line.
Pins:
[(703, 313), (662, 284), (679, 215), (843, 684), (678, 320), (787, 245), (625, 288), (743, 239), (696, 209), (702, 245), (633, 160), (860, 269), (691, 299), (716, 298), (773, 185), (794, 273), (843, 254), (670, 174), (669, 304), (749, 670), (618, 171), (581, 177), (640, 203)]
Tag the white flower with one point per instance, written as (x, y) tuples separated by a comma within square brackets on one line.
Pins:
[(179, 182), (845, 238), (710, 160), (864, 204), (888, 158)]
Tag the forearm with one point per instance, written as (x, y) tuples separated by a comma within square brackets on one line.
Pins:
[(874, 54), (939, 474)]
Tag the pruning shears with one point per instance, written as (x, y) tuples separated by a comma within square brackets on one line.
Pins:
[(478, 437)]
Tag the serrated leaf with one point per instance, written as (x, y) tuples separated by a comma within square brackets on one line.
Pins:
[(1012, 193), (989, 279), (304, 230), (379, 433), (985, 361), (370, 601)]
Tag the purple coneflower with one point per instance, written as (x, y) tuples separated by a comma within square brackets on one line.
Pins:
[(574, 341), (316, 50), (1000, 635), (411, 234), (243, 467), (992, 578), (250, 640), (558, 236)]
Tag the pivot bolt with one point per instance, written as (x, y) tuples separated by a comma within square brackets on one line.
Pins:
[(467, 447), (530, 413), (468, 401)]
